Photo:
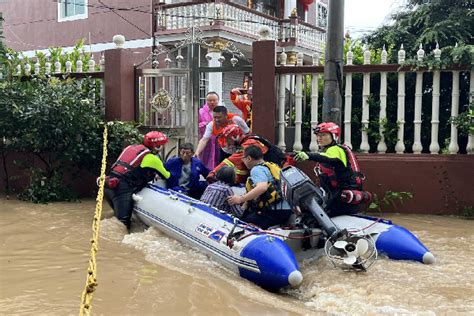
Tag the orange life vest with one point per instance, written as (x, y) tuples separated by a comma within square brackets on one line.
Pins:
[(216, 131)]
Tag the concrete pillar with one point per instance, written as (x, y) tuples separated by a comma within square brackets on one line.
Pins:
[(119, 85), (264, 91), (289, 6), (215, 78)]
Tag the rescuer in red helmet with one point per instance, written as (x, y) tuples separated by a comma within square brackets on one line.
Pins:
[(135, 167), (338, 171)]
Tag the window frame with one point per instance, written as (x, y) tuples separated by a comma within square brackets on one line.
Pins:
[(73, 17)]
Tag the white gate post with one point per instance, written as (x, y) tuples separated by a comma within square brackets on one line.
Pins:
[(313, 146), (400, 145), (417, 147), (470, 141), (298, 105), (381, 146), (281, 104), (364, 146), (348, 103), (453, 144), (434, 146)]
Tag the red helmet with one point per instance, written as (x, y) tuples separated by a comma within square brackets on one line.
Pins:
[(329, 127), (229, 138), (231, 130), (154, 139)]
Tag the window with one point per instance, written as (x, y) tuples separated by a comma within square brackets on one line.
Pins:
[(69, 10)]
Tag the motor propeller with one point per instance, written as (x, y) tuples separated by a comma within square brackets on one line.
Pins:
[(351, 251)]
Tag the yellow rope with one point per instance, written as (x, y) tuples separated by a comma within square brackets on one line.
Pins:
[(91, 282)]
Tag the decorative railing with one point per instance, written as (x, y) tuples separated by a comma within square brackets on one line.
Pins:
[(32, 67), (236, 18), (299, 80)]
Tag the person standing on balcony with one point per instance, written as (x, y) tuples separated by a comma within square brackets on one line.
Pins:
[(210, 153), (338, 172), (221, 118)]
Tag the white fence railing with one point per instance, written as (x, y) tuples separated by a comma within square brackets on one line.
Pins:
[(298, 79)]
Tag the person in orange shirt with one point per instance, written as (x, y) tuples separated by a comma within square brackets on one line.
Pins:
[(221, 118), (234, 141), (241, 98)]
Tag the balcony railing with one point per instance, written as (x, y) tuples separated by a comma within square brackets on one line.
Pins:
[(227, 16)]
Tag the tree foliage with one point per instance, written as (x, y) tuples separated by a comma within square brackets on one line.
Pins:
[(445, 22), (448, 23), (55, 126)]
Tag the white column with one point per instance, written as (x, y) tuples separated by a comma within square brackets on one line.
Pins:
[(434, 145), (298, 105), (348, 103), (289, 6), (381, 146), (364, 145), (281, 105), (453, 144), (470, 141), (215, 78), (400, 145), (313, 146), (417, 147)]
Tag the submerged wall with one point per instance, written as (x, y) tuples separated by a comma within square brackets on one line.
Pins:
[(441, 184)]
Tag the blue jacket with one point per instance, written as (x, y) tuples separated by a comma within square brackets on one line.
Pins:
[(175, 166)]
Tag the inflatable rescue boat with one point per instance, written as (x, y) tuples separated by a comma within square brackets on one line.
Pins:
[(270, 257)]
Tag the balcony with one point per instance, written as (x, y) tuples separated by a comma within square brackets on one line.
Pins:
[(233, 22)]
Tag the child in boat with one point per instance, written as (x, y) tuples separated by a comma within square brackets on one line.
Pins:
[(216, 194)]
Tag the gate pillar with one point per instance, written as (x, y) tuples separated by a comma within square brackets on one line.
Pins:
[(119, 83), (264, 91)]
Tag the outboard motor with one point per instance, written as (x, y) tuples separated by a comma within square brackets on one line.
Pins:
[(355, 251), (301, 193)]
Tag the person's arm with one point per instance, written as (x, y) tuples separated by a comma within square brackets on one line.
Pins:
[(201, 145), (334, 162), (153, 162), (204, 170), (241, 123), (212, 175), (205, 139), (235, 209), (258, 190)]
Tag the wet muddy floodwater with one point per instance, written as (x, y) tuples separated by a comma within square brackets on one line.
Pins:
[(44, 252)]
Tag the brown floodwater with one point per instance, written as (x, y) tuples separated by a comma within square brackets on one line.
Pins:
[(45, 250)]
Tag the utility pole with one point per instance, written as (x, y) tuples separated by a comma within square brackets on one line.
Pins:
[(332, 100)]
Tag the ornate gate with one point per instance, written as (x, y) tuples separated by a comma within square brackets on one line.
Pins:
[(167, 94)]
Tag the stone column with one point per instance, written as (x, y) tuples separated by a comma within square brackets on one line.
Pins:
[(119, 84), (264, 91), (215, 78)]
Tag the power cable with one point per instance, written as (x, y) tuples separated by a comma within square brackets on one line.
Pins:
[(123, 18), (194, 17)]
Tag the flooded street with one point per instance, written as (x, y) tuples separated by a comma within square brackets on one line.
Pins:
[(45, 250)]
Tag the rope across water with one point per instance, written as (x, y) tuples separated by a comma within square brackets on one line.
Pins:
[(91, 282)]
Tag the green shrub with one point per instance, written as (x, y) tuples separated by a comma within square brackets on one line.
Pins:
[(60, 123)]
